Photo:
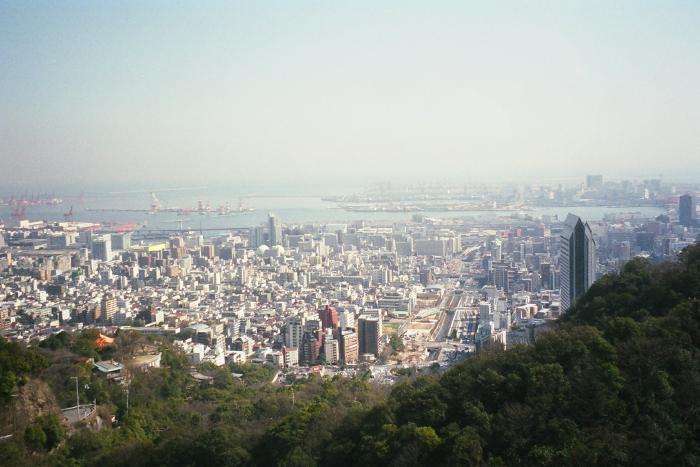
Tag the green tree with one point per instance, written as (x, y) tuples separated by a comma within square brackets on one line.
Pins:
[(34, 437)]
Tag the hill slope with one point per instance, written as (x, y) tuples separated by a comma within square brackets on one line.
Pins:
[(615, 383)]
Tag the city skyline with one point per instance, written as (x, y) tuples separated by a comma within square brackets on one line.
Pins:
[(367, 233)]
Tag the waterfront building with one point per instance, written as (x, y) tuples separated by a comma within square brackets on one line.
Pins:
[(102, 248), (121, 241)]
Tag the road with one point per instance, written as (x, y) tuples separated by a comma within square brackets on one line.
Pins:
[(71, 414)]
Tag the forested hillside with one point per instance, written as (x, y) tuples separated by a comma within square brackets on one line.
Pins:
[(616, 383)]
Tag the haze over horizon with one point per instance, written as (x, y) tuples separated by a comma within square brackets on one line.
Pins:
[(116, 92)]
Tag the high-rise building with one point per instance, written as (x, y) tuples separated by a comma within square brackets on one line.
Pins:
[(331, 348), (500, 277), (329, 317), (346, 319), (275, 229), (370, 335), (294, 332), (497, 250), (546, 273), (102, 248), (256, 237), (207, 251), (310, 347), (577, 260), (686, 210), (594, 181), (121, 241), (426, 276), (430, 247), (349, 346), (109, 309)]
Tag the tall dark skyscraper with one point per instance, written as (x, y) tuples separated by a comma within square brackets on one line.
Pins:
[(577, 260), (370, 335), (686, 210)]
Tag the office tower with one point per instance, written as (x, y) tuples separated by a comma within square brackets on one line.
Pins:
[(207, 251), (256, 237), (349, 346), (310, 347), (275, 229), (121, 241), (686, 210), (102, 248), (177, 247), (233, 327), (404, 247), (500, 277), (426, 276), (427, 247), (577, 260), (485, 312), (329, 317), (85, 237), (370, 335), (546, 273), (594, 181), (294, 332)]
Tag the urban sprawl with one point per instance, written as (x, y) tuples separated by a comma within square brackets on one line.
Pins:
[(331, 298)]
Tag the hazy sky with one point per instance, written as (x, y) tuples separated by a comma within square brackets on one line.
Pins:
[(203, 90)]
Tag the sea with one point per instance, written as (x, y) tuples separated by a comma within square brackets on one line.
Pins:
[(291, 205)]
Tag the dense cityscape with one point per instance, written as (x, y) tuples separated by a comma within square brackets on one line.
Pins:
[(336, 297), (349, 234)]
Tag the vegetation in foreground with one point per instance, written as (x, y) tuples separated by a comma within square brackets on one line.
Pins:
[(615, 383)]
